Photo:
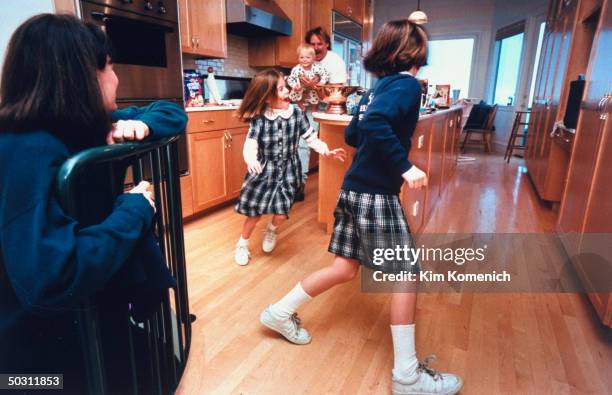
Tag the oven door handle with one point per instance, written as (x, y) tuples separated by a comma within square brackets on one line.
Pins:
[(102, 16)]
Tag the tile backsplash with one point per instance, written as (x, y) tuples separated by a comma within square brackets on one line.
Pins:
[(236, 64)]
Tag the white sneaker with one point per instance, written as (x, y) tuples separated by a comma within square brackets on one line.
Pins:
[(242, 255), (427, 382), (269, 240), (289, 327)]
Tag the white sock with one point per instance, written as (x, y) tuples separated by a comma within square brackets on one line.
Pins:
[(404, 351), (290, 302), (272, 227), (243, 242)]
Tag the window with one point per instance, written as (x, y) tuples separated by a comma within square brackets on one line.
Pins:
[(509, 46), (450, 62), (536, 63)]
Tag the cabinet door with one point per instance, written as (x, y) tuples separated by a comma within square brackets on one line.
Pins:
[(208, 36), (559, 81), (297, 11), (208, 151), (186, 195), (586, 207), (449, 140), (537, 105), (235, 167), (281, 51), (414, 201), (435, 164), (547, 118), (356, 10), (186, 43), (352, 9)]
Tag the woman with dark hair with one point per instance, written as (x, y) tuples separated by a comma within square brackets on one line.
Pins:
[(57, 97), (368, 214)]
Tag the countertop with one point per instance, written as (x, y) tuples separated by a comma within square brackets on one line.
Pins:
[(344, 119), (211, 108)]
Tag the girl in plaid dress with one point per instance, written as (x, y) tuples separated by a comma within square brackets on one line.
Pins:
[(271, 154), (368, 214)]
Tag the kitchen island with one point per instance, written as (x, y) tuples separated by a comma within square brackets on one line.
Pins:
[(434, 150)]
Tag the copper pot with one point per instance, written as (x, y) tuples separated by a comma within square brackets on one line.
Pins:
[(335, 95)]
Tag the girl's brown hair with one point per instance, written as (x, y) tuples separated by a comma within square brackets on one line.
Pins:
[(260, 92), (49, 80), (399, 46)]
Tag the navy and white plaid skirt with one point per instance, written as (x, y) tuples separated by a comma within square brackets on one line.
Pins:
[(366, 225)]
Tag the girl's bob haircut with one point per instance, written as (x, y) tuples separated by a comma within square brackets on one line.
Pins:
[(399, 46), (49, 80), (260, 92)]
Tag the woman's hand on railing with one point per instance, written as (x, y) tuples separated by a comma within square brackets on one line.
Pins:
[(127, 131), (146, 190)]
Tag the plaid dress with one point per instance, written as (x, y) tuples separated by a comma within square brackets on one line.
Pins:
[(273, 190)]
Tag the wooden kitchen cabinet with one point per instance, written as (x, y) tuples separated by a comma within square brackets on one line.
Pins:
[(208, 152), (203, 31), (282, 50), (352, 9), (434, 172), (565, 53), (235, 166), (451, 140), (585, 216), (414, 200), (430, 151), (217, 169), (186, 184)]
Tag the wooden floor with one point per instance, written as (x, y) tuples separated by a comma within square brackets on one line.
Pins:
[(498, 343)]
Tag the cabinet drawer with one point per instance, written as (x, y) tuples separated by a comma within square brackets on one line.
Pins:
[(419, 150), (232, 122), (413, 203), (202, 121)]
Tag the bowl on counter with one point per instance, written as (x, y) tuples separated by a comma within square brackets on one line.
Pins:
[(335, 95)]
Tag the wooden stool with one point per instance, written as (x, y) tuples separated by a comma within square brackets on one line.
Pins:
[(516, 127)]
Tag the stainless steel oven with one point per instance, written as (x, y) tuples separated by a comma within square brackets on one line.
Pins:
[(146, 45)]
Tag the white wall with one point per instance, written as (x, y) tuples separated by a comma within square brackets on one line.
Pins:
[(15, 12), (449, 19)]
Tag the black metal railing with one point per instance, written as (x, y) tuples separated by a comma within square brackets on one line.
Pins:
[(145, 356)]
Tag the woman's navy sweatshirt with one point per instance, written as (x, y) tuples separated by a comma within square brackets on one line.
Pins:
[(382, 131), (48, 261)]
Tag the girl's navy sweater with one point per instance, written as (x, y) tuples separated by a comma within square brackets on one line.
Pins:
[(382, 131), (48, 261)]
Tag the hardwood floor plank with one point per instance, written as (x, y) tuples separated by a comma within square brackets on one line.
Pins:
[(512, 343)]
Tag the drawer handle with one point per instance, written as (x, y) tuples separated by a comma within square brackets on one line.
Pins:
[(452, 123), (415, 208), (208, 121), (421, 141)]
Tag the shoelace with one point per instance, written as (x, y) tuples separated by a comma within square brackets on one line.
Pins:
[(269, 234), (424, 367), (295, 320), (245, 249)]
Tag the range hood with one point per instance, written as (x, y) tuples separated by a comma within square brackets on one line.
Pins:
[(253, 18)]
